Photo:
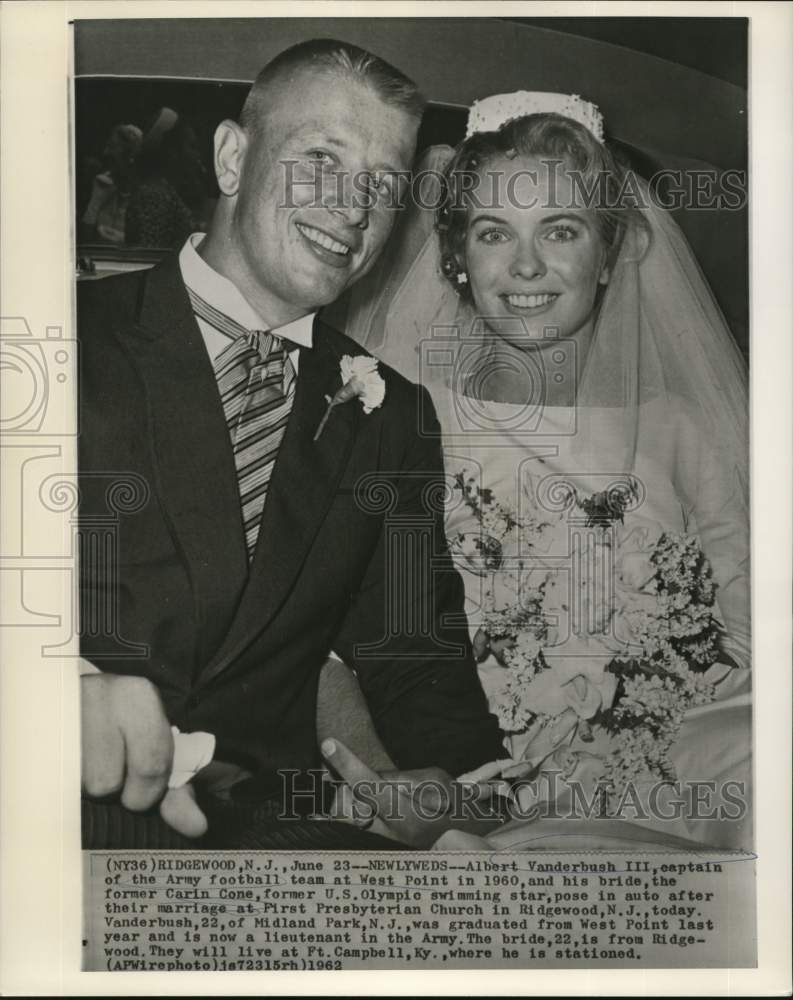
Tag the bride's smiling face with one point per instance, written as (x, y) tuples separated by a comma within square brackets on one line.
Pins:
[(531, 254)]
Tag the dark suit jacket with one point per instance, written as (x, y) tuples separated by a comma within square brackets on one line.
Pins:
[(350, 554)]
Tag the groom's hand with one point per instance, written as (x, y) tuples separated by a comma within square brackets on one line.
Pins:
[(127, 750), (413, 807), (408, 806)]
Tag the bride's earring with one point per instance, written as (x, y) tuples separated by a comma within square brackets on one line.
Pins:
[(454, 273)]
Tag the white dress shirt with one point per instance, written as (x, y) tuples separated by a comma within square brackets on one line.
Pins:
[(222, 295)]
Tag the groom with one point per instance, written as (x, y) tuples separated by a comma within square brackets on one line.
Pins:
[(254, 549)]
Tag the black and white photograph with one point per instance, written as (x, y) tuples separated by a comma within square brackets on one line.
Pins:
[(386, 504)]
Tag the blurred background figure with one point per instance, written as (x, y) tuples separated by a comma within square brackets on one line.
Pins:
[(170, 200), (104, 219)]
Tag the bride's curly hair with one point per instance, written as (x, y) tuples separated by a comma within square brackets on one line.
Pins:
[(550, 137)]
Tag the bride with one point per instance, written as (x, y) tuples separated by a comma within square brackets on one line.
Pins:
[(571, 346)]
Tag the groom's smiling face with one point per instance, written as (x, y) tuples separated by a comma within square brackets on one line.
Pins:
[(317, 190)]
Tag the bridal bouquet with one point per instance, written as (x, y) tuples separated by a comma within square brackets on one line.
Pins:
[(602, 621)]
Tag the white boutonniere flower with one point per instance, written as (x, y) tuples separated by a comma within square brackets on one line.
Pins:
[(361, 379)]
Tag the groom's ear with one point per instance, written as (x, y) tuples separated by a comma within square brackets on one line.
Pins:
[(231, 143)]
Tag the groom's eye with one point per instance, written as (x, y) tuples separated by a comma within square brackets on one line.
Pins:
[(493, 236), (320, 156)]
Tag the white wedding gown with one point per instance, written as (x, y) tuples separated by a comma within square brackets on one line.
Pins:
[(684, 487), (658, 331)]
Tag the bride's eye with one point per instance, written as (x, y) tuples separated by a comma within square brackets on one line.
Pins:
[(562, 234)]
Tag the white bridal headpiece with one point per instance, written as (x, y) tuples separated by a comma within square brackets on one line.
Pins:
[(491, 113)]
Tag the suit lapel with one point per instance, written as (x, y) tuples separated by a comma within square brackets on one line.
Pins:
[(196, 480), (304, 482)]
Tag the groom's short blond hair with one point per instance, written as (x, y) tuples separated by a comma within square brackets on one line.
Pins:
[(331, 56)]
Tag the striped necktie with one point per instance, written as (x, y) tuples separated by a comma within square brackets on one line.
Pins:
[(256, 380)]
